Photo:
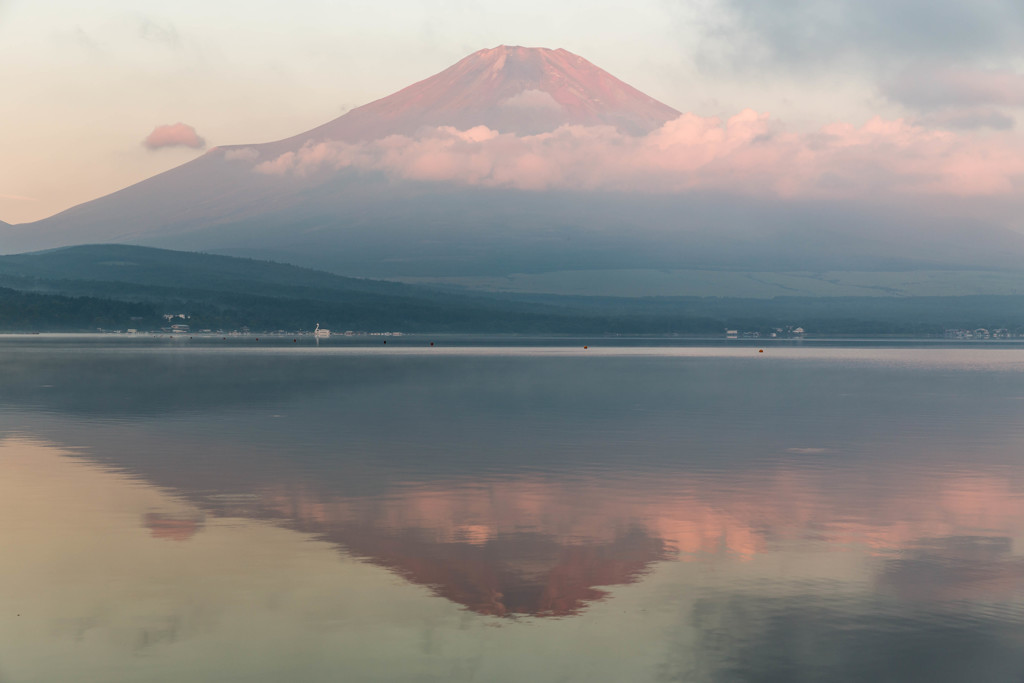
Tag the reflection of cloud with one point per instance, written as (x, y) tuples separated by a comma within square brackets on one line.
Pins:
[(173, 528), (174, 135), (955, 568), (539, 547), (547, 545), (746, 154)]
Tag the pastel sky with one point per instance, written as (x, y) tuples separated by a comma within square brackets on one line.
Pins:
[(100, 95)]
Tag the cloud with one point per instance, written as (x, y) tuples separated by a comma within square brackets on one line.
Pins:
[(155, 31), (241, 154), (969, 118), (958, 97), (810, 34), (532, 99), (747, 154), (174, 135), (932, 87)]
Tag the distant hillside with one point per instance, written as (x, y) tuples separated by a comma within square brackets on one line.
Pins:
[(181, 269), (119, 287), (219, 292), (30, 312)]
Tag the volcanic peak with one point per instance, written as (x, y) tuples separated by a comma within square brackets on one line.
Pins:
[(512, 89)]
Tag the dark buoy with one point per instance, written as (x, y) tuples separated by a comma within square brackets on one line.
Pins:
[(294, 340), (431, 343), (385, 341)]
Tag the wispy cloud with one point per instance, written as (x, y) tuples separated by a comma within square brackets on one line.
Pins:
[(931, 87), (157, 31), (958, 96), (810, 34), (174, 135), (969, 118)]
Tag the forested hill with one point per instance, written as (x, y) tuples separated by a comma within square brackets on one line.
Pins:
[(115, 287), (220, 292)]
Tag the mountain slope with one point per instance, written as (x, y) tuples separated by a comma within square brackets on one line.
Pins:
[(510, 89), (367, 222)]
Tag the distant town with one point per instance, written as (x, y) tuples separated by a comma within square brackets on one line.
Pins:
[(775, 333), (982, 333), (788, 332)]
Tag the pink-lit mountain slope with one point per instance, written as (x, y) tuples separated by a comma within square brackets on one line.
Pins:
[(520, 90)]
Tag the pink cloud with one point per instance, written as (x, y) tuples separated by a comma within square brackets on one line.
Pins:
[(174, 135), (745, 154)]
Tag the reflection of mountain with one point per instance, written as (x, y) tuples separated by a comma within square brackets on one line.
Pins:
[(524, 485), (528, 546), (547, 547), (527, 573), (513, 561)]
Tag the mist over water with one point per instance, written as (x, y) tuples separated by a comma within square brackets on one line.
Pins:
[(510, 512)]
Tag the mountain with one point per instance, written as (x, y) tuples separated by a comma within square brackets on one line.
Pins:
[(509, 89), (217, 202), (310, 200)]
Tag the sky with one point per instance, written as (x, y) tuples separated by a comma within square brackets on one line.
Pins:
[(103, 94)]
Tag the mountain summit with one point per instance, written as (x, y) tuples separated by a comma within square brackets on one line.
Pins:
[(511, 89)]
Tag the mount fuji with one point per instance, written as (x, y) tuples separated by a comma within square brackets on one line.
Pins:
[(331, 197)]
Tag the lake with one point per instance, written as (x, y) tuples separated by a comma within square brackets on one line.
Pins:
[(509, 510)]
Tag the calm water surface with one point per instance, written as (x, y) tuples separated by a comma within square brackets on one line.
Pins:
[(232, 511)]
